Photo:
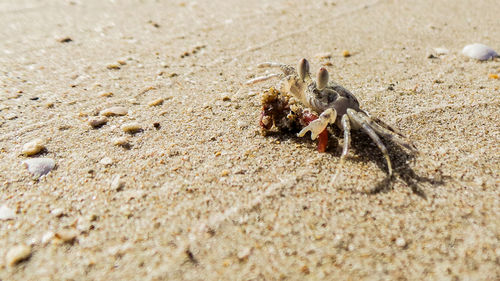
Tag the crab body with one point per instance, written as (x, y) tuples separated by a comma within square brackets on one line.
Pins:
[(335, 105)]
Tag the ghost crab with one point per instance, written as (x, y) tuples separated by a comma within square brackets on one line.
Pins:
[(334, 104)]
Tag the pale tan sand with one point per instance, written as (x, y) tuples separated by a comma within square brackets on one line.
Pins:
[(204, 196)]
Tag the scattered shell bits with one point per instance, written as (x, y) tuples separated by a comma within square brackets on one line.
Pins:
[(6, 213), (131, 127), (33, 147), (17, 254), (39, 166), (114, 111), (479, 52)]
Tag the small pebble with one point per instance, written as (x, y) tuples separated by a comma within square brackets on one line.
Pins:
[(33, 147), (131, 127), (156, 102), (346, 54), (244, 253), (114, 111), (106, 161), (121, 141), (17, 254), (98, 122), (105, 94), (400, 242), (65, 40), (39, 166), (66, 236), (6, 213), (324, 55), (479, 51), (59, 212), (493, 76), (113, 66)]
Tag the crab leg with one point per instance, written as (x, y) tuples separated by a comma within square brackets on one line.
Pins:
[(261, 78), (346, 126), (365, 126), (393, 136)]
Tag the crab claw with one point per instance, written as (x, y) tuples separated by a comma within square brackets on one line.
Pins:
[(316, 127), (319, 125)]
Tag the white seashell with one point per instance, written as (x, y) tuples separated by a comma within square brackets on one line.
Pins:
[(39, 166), (479, 51), (6, 213)]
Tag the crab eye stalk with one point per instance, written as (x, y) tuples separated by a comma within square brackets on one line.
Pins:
[(303, 68), (322, 78)]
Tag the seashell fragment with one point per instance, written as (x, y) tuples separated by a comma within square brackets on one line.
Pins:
[(17, 254), (479, 52), (114, 111), (33, 147), (39, 166)]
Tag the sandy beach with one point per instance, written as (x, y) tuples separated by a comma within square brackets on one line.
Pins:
[(161, 171)]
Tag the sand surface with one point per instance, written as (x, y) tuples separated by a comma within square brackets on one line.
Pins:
[(201, 194)]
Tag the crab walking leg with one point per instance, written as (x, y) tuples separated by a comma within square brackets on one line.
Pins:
[(269, 64), (262, 78), (346, 126), (388, 134), (317, 126), (382, 124), (358, 119)]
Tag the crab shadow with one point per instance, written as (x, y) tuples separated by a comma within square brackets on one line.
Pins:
[(364, 150)]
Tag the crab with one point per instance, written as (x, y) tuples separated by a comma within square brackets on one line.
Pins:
[(335, 105)]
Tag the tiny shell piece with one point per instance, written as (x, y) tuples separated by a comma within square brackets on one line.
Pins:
[(479, 51), (114, 111), (33, 147), (39, 166), (17, 254)]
